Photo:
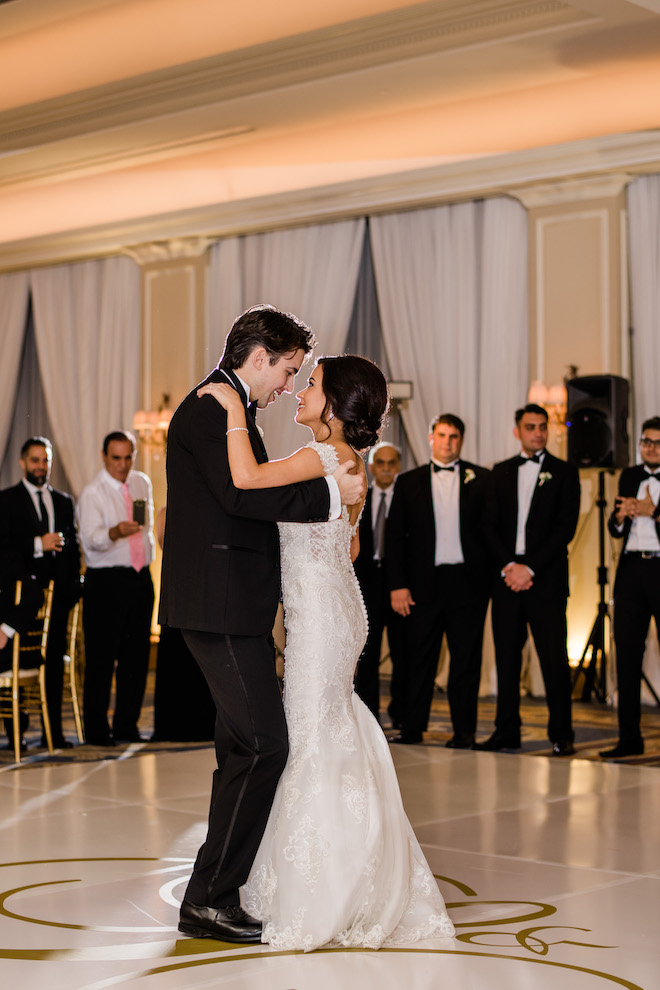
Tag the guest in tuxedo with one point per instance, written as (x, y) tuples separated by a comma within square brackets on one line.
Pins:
[(37, 524), (15, 618), (532, 509), (116, 519), (384, 465), (437, 569), (221, 587), (637, 585)]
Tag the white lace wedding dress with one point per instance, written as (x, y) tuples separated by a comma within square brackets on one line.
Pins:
[(339, 864)]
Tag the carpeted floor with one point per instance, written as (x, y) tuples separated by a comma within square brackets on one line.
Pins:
[(595, 729)]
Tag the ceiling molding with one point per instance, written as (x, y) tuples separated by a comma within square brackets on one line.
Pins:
[(426, 28), (623, 156)]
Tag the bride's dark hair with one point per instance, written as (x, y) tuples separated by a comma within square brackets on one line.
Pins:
[(356, 393)]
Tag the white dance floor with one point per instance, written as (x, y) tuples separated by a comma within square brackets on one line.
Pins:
[(550, 869)]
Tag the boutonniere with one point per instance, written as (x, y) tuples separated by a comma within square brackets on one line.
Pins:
[(261, 432), (469, 476), (543, 477)]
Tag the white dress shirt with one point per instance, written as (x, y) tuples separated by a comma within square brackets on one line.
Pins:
[(643, 534), (445, 488), (528, 476), (333, 487), (100, 507)]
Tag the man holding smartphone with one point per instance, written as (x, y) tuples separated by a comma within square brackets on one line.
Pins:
[(636, 518), (115, 520)]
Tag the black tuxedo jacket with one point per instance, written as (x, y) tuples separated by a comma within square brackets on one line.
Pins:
[(19, 524), (629, 483), (410, 531), (551, 523), (20, 616), (221, 557)]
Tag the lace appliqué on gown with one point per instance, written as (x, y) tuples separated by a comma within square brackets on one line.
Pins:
[(339, 864)]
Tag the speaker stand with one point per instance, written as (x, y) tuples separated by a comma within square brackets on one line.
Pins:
[(595, 667)]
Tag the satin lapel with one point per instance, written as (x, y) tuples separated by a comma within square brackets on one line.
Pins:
[(426, 499), (28, 507), (546, 466), (253, 429)]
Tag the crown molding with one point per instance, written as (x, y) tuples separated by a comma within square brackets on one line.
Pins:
[(616, 159), (426, 28)]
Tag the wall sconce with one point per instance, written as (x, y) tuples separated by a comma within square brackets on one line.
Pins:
[(553, 398), (151, 426)]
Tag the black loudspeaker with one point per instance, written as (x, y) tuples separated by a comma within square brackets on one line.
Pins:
[(597, 421)]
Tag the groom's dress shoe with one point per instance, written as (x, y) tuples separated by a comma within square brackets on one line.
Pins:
[(228, 924), (497, 741)]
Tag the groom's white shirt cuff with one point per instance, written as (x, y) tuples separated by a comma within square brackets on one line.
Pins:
[(333, 487), (335, 498)]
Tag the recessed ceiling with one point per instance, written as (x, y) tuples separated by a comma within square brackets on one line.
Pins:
[(112, 110)]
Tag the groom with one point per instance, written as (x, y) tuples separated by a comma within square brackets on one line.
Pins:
[(221, 586)]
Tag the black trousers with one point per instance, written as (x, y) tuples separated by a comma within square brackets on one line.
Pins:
[(251, 746), (636, 599), (117, 607), (367, 677), (545, 612), (456, 609)]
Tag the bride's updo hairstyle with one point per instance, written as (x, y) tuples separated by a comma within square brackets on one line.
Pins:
[(356, 393)]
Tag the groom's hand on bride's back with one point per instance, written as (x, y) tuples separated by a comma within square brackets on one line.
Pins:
[(351, 486)]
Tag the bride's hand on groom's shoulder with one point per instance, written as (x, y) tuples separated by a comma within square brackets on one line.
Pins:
[(227, 396)]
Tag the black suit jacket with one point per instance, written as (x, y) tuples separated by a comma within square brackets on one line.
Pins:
[(20, 616), (410, 531), (221, 558), (365, 566), (551, 523), (629, 482), (19, 524)]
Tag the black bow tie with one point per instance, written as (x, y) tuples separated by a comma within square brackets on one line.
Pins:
[(535, 459), (252, 411), (439, 467)]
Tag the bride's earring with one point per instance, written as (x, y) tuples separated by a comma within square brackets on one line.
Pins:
[(331, 416)]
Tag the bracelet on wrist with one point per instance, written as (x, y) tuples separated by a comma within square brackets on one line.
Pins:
[(242, 429)]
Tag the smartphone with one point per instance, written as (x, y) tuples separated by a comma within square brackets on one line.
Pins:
[(139, 511)]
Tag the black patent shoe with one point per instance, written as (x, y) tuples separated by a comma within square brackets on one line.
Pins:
[(623, 749), (496, 742), (227, 924)]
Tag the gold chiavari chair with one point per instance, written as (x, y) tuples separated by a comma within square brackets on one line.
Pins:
[(73, 667), (23, 688)]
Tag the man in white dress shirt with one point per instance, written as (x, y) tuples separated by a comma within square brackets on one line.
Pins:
[(532, 509), (437, 568), (115, 521), (637, 584)]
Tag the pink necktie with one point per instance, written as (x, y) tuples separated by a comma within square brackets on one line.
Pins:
[(135, 544)]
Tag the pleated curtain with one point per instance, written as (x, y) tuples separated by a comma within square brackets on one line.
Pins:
[(452, 291), (310, 271), (14, 297), (87, 320), (644, 237)]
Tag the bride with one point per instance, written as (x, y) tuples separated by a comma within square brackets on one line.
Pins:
[(339, 864)]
